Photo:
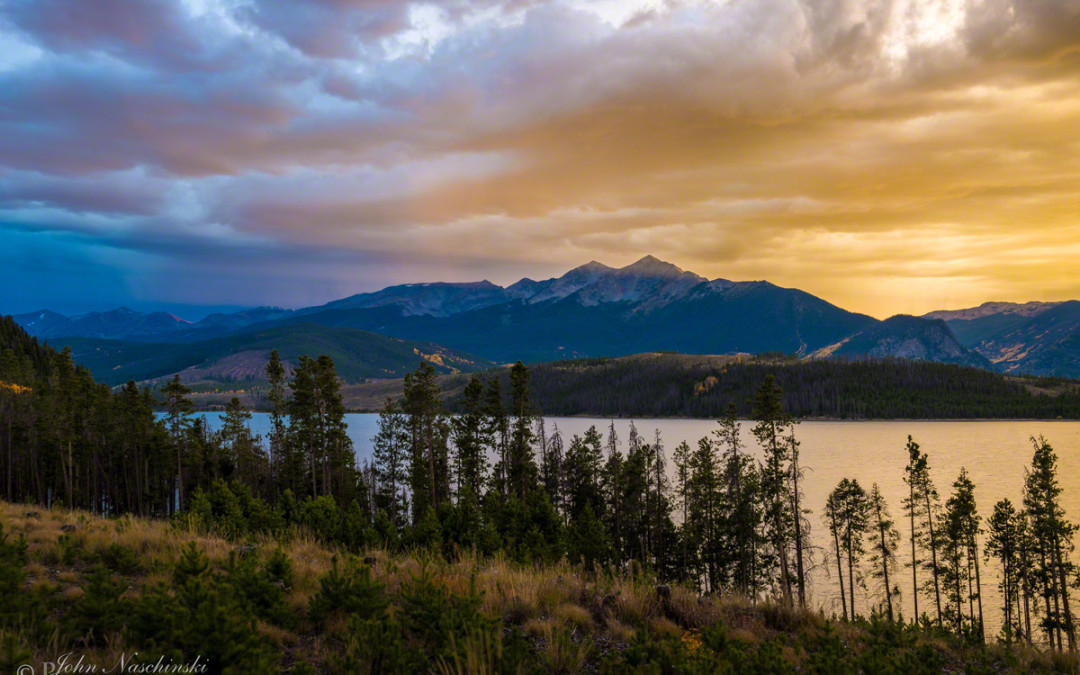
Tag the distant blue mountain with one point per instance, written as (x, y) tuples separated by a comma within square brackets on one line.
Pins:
[(592, 310)]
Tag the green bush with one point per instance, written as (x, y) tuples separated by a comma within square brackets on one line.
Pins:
[(260, 589), (204, 615), (351, 591), (100, 612)]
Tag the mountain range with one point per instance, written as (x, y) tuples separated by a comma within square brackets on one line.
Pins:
[(592, 310)]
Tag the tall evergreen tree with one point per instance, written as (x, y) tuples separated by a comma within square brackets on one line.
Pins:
[(962, 527), (521, 461), (922, 507), (276, 401), (1052, 534), (391, 456), (848, 514), (681, 459), (884, 541), (469, 443), (742, 520), (339, 460), (799, 513), (244, 449), (584, 497), (497, 432), (611, 484), (702, 530), (306, 434), (1004, 530), (428, 437), (178, 409), (552, 476), (772, 419)]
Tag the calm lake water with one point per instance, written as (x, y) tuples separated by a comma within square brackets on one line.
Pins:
[(995, 454)]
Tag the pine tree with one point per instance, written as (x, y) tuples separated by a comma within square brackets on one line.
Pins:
[(883, 545), (1003, 544), (275, 377), (611, 484), (469, 443), (660, 526), (1052, 534), (306, 439), (521, 462), (338, 458), (833, 516), (921, 507), (681, 459), (391, 454), (551, 475), (496, 431), (178, 409), (702, 529), (962, 527), (634, 500), (243, 448), (801, 525), (428, 438), (585, 499), (741, 521), (848, 516), (768, 411)]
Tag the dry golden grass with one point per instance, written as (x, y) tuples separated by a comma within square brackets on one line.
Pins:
[(72, 593), (575, 616), (542, 600), (564, 611)]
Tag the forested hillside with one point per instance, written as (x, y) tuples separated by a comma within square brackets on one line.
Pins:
[(242, 358), (675, 385)]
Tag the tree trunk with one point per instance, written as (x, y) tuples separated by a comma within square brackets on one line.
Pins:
[(839, 568), (885, 569), (1025, 589), (798, 529), (979, 589), (978, 586), (914, 554), (933, 555), (851, 573), (1070, 632)]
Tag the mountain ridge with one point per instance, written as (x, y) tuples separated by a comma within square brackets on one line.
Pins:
[(597, 310)]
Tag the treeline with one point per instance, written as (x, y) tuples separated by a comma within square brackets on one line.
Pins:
[(725, 521), (1030, 546), (673, 385), (66, 440)]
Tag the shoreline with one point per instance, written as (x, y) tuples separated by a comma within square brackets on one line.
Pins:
[(712, 419)]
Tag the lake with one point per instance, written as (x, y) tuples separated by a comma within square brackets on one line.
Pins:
[(995, 454)]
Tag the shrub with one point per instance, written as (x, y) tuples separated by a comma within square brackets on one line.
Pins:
[(350, 591), (100, 612), (204, 616)]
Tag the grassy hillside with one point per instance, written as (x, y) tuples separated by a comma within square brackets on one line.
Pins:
[(357, 354), (103, 589)]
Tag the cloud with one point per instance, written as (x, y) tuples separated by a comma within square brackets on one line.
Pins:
[(330, 146)]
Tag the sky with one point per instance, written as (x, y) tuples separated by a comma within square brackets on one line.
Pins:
[(889, 156)]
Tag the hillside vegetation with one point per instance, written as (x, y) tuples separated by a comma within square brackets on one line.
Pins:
[(684, 385), (242, 358), (174, 590)]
